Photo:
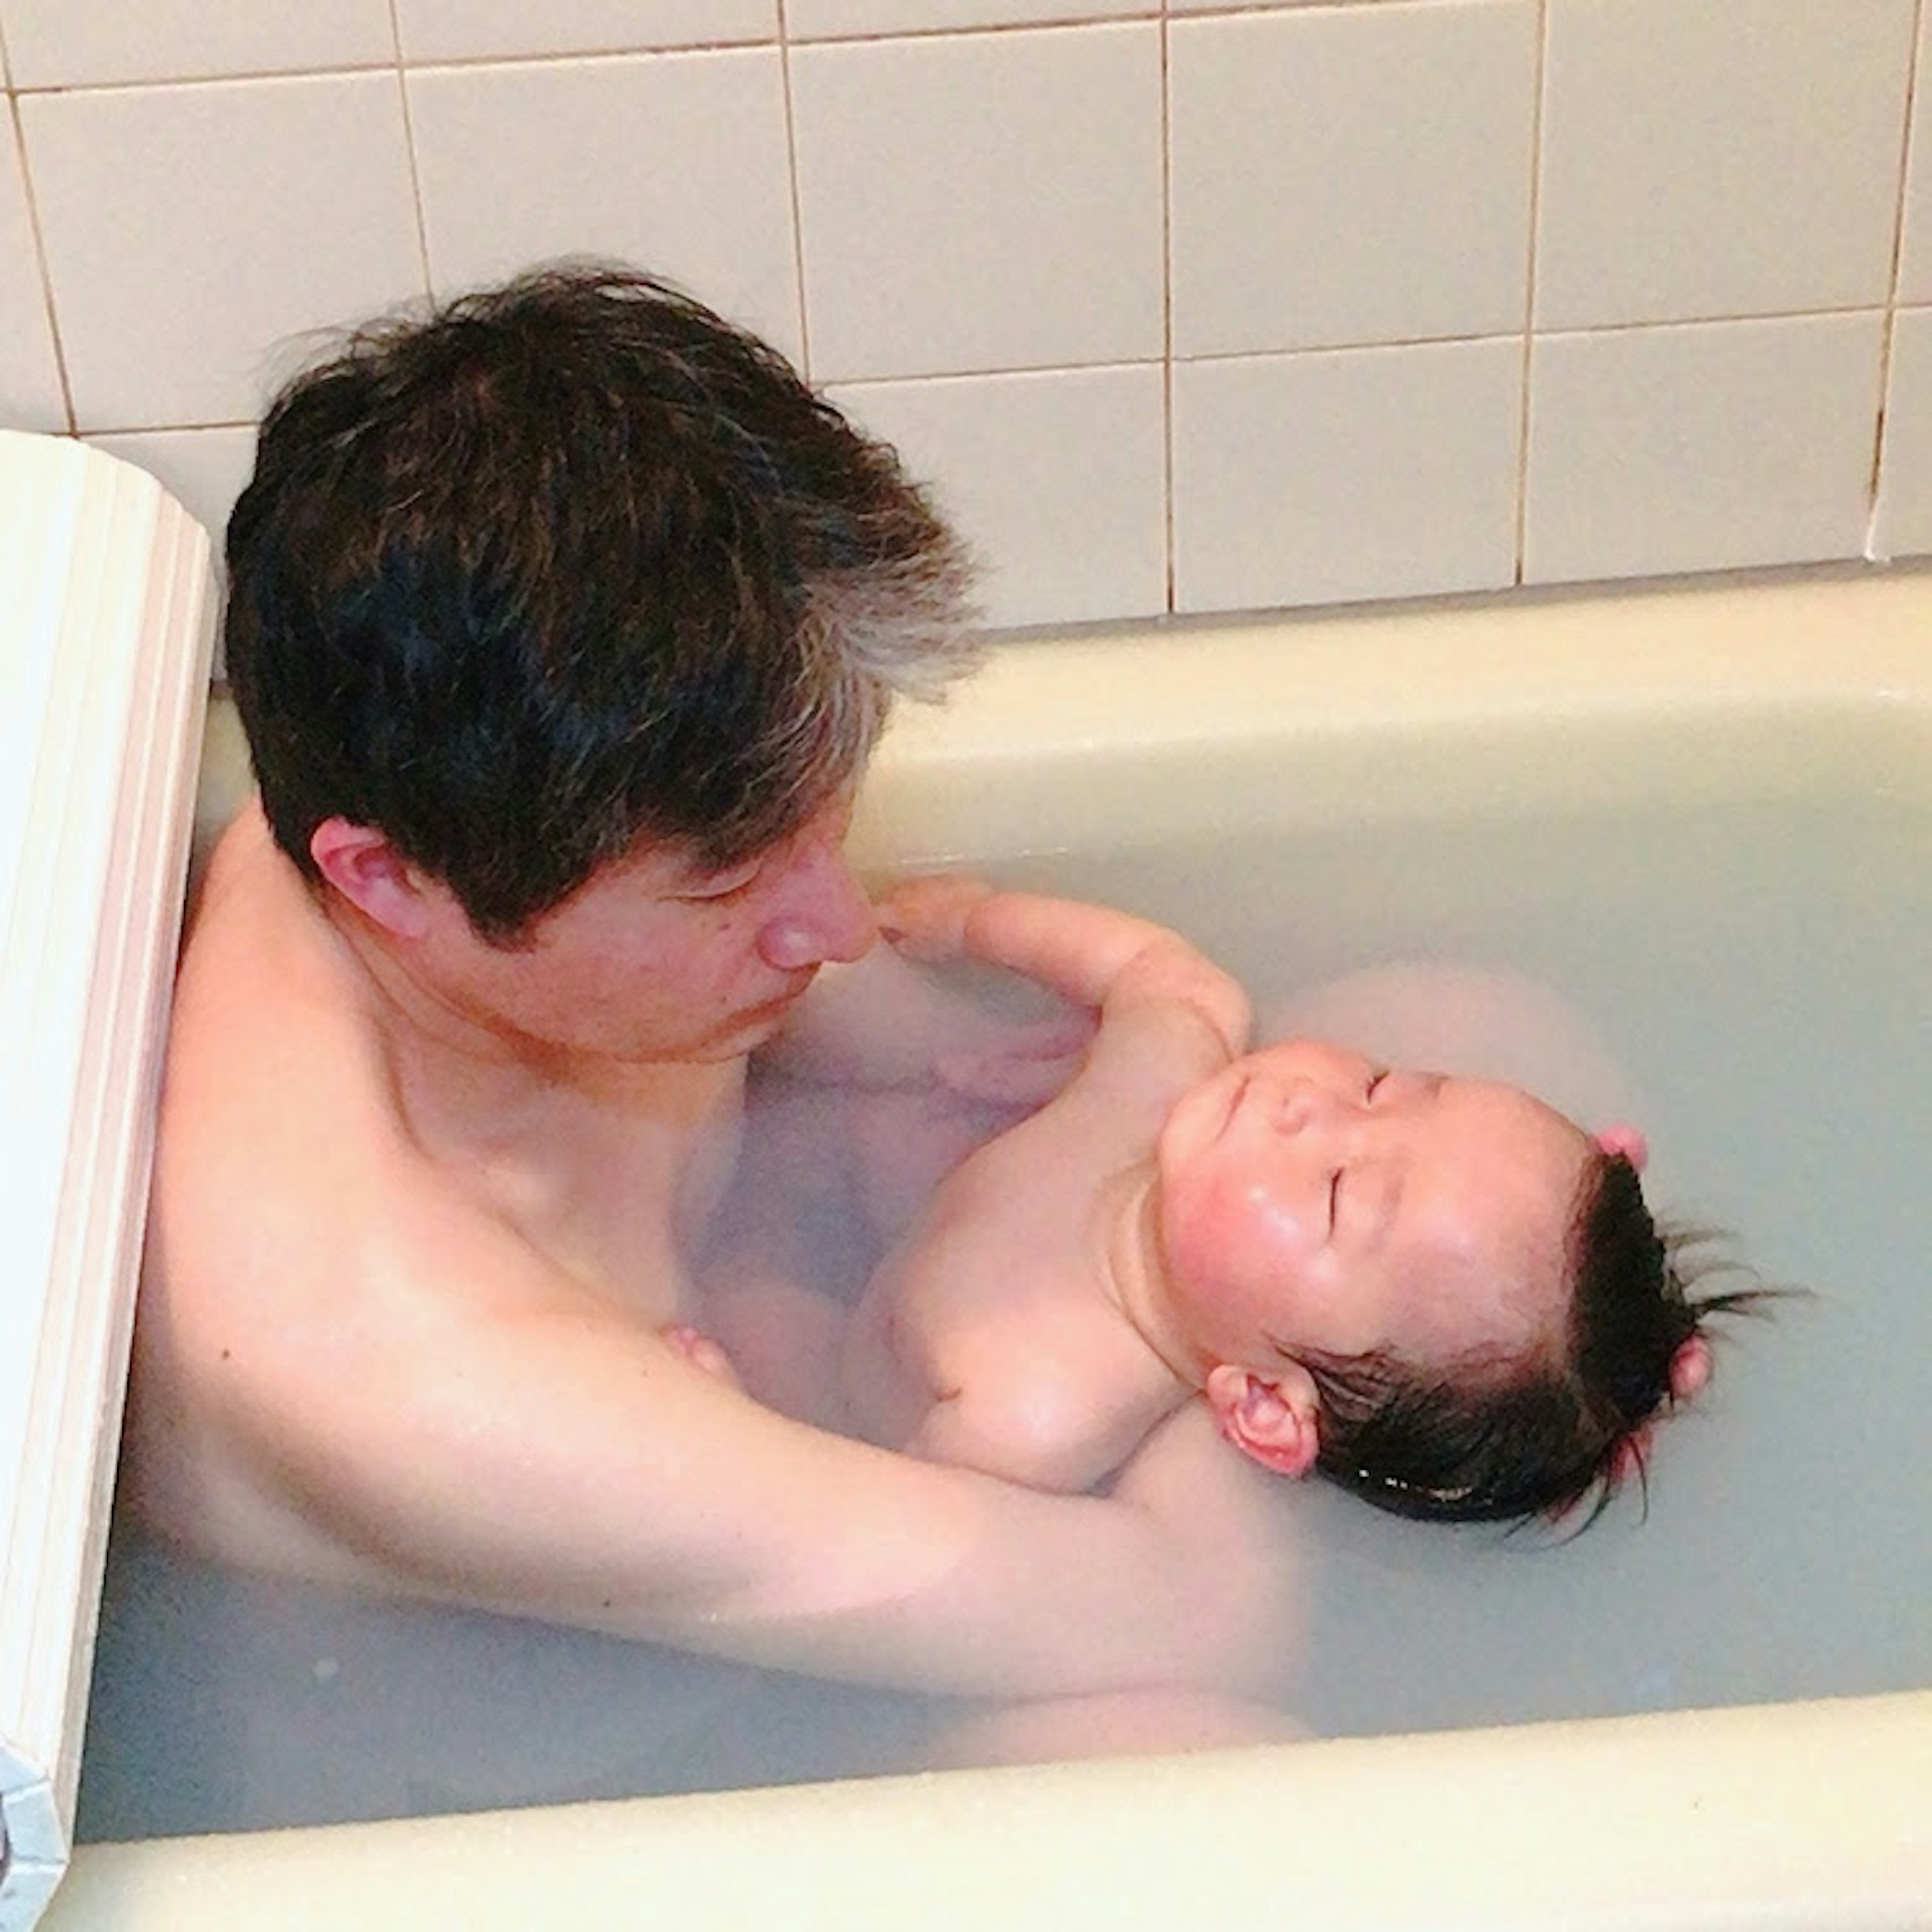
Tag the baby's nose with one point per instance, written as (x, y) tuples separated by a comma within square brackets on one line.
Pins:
[(1312, 1107)]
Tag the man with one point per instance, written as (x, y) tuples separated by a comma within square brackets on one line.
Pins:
[(561, 625)]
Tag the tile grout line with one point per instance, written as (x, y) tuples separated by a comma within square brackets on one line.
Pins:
[(1538, 97), (1169, 567), (1888, 321), (17, 134), (421, 219), (794, 188), (1207, 358), (568, 56)]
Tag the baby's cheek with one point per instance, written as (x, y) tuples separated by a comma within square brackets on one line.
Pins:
[(1212, 1239), (1177, 1217)]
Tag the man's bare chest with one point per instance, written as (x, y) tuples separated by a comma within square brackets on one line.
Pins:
[(621, 1212)]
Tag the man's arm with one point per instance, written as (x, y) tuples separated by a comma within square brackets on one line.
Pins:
[(541, 1455)]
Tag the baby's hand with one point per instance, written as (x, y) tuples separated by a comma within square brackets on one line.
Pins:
[(924, 918), (701, 1351)]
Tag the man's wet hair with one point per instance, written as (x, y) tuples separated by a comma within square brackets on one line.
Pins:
[(1490, 1440), (567, 565)]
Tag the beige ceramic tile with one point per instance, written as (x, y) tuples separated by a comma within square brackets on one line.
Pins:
[(193, 233), (1708, 446), (87, 42), (30, 389), (1355, 473), (205, 469), (1351, 174), (446, 30), (1056, 478), (674, 162), (1731, 157), (826, 19), (1902, 525), (1915, 266), (981, 202)]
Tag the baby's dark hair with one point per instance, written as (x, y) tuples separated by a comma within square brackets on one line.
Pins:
[(1487, 1440), (567, 565)]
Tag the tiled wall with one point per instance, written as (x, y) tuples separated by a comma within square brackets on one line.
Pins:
[(1195, 307)]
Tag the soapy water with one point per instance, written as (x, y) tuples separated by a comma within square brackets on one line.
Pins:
[(1745, 979)]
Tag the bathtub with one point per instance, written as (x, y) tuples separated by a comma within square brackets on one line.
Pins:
[(1790, 1793)]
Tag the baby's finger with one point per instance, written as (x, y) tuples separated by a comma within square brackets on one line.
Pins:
[(924, 918)]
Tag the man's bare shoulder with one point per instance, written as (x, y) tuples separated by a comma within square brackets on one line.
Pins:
[(274, 1098), (298, 1238)]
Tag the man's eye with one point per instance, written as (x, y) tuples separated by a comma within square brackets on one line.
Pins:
[(729, 884), (1334, 1197), (1375, 1079)]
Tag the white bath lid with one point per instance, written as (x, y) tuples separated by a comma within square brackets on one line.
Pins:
[(105, 630)]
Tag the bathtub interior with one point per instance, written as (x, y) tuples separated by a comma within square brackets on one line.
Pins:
[(1705, 820)]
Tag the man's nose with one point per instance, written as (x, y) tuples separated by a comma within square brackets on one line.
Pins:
[(824, 915)]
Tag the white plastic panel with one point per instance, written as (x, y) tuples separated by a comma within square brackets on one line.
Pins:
[(103, 669)]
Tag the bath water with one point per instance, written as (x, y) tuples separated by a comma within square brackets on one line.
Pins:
[(1751, 976)]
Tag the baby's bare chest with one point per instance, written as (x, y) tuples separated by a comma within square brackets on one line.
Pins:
[(1013, 1236)]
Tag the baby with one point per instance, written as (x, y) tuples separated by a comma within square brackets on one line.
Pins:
[(1436, 1291)]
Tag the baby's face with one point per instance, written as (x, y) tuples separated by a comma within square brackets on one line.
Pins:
[(1309, 1200)]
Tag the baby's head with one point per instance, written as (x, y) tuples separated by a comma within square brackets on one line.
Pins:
[(1438, 1291)]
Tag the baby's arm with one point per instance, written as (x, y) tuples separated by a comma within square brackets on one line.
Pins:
[(979, 1343), (881, 1022), (1094, 955)]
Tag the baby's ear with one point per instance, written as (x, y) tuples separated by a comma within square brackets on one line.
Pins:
[(1271, 1419), (1622, 1138)]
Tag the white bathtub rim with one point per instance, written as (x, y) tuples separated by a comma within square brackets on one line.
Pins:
[(1639, 652), (1766, 1817)]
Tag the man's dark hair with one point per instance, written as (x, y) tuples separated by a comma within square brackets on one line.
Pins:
[(566, 566), (1494, 1440)]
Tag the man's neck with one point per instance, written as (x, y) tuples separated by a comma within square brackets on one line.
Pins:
[(461, 1080)]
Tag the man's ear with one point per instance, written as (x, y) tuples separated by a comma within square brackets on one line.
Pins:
[(361, 865), (1272, 1419)]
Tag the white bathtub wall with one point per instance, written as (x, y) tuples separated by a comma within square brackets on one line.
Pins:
[(1190, 308)]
